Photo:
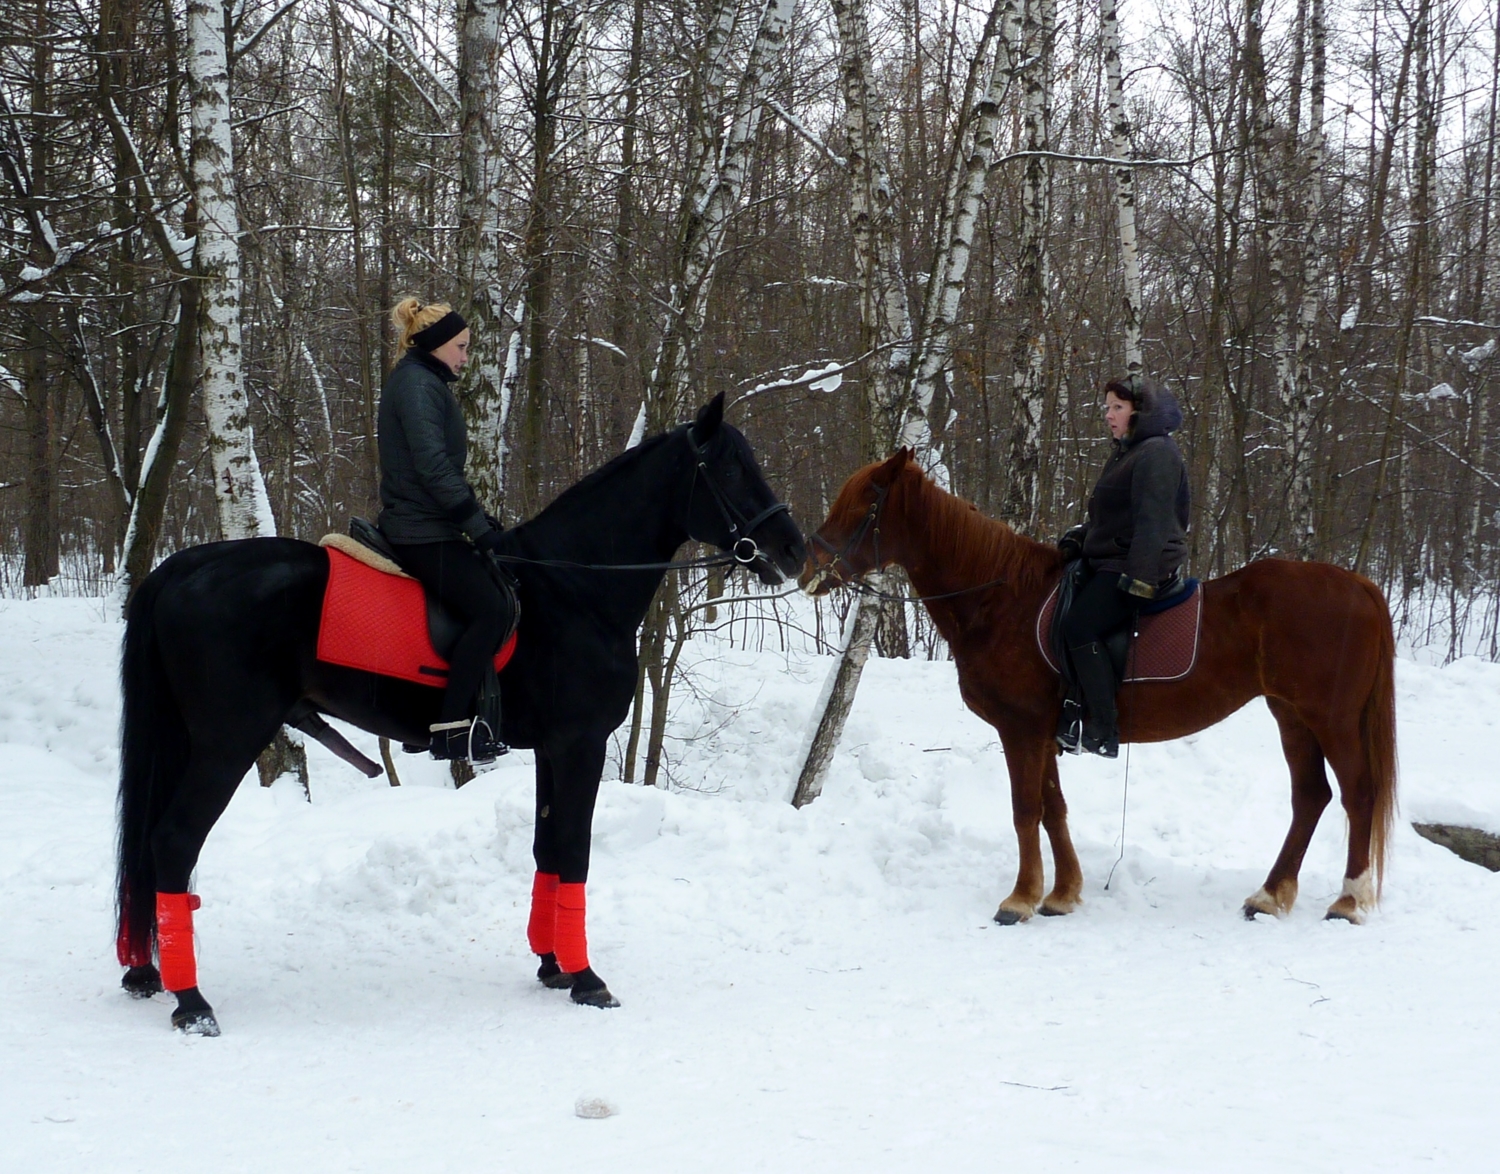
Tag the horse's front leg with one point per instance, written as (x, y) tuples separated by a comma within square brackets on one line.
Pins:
[(1026, 757), (541, 927), (567, 777), (1067, 879)]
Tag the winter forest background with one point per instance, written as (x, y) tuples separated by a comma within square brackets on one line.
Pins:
[(867, 222)]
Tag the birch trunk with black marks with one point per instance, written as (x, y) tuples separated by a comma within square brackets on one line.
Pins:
[(1298, 373), (482, 293), (1029, 351), (1119, 148), (717, 183), (239, 490), (365, 315), (885, 320), (976, 135)]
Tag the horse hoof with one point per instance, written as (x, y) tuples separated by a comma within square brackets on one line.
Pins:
[(1004, 916), (589, 990), (551, 975), (141, 982), (193, 1015)]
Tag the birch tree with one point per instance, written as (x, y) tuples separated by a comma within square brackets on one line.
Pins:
[(1299, 351), (1029, 353), (1119, 143), (239, 489), (883, 311), (481, 279), (718, 178), (988, 76)]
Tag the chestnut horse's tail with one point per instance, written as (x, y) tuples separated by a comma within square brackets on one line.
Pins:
[(1377, 723), (153, 758)]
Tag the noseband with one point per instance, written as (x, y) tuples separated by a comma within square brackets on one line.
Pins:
[(872, 519), (741, 544)]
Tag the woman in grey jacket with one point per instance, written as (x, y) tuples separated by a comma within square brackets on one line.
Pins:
[(1132, 545), (431, 516)]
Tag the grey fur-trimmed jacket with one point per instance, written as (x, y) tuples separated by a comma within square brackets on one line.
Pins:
[(1138, 513), (423, 448)]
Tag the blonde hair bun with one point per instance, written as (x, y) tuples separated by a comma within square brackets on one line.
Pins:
[(411, 316)]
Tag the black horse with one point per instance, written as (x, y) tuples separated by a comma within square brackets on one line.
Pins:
[(219, 653)]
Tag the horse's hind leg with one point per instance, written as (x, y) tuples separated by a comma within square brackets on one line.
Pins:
[(176, 841), (1067, 880), (1346, 754), (1310, 795)]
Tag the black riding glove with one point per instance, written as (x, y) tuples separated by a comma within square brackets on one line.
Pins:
[(489, 542), (1071, 543)]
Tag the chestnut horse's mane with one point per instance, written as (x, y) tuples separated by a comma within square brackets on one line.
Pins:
[(974, 548)]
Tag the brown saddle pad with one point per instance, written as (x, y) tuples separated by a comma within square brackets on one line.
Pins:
[(1163, 647)]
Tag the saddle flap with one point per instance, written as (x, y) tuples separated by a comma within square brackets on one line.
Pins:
[(1162, 645), (378, 622)]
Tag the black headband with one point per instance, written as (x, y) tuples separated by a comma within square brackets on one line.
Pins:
[(448, 326)]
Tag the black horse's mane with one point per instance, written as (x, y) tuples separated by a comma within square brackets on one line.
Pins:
[(591, 481)]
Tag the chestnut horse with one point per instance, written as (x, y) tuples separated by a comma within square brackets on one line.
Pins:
[(1314, 640)]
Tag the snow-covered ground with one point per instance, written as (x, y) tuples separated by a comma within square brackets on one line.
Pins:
[(821, 989)]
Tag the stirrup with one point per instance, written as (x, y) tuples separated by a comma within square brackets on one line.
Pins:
[(468, 739), (1070, 728)]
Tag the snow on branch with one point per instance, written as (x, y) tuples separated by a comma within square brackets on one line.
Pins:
[(805, 133)]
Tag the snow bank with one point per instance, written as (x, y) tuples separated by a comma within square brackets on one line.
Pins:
[(817, 989)]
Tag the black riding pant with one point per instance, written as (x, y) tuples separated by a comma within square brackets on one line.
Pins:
[(1099, 608), (457, 574)]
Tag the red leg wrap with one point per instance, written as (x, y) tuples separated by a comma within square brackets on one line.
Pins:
[(174, 940), (572, 945), (541, 930)]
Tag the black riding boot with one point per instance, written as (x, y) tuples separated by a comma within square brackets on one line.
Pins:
[(1096, 675)]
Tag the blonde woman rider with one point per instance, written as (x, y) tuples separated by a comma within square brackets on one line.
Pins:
[(431, 516)]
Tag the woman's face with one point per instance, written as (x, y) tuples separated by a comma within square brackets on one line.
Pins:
[(1117, 413), (454, 352)]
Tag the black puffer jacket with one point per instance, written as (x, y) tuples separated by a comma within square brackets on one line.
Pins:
[(1138, 514), (423, 447)]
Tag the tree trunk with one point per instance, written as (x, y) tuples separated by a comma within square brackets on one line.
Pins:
[(1119, 141), (364, 313), (482, 295), (713, 199), (1029, 351), (837, 701), (244, 508), (1297, 391)]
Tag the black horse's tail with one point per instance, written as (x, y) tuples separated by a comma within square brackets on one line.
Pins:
[(153, 758)]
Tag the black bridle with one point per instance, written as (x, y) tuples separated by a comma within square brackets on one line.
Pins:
[(742, 546), (872, 522), (872, 519)]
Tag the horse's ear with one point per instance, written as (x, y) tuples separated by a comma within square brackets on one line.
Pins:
[(709, 417), (891, 467)]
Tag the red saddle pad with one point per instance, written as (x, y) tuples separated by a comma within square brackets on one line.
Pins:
[(377, 623), (1163, 647)]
